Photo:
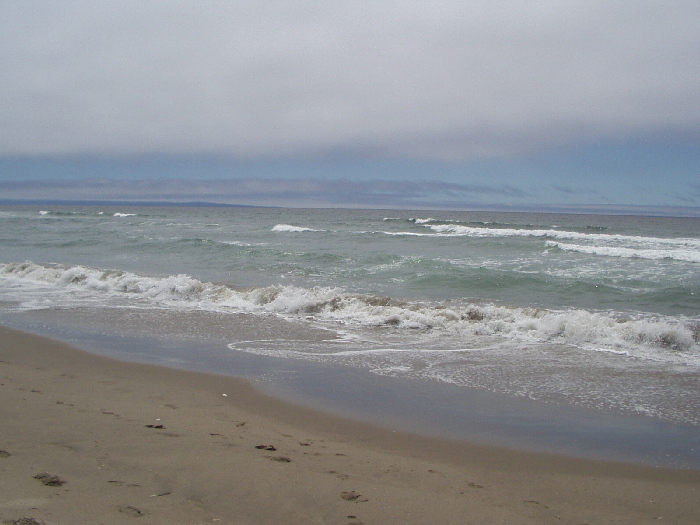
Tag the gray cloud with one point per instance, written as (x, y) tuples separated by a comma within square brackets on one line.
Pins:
[(447, 80)]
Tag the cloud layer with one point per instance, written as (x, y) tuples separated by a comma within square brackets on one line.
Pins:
[(448, 80), (268, 192)]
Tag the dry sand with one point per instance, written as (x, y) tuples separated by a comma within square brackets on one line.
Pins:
[(86, 439)]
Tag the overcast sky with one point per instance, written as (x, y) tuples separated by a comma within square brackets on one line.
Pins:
[(418, 104)]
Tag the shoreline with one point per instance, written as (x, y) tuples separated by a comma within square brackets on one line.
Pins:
[(136, 440)]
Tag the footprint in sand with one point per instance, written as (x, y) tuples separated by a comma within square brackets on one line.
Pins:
[(281, 459), (535, 502), (353, 496), (23, 521), (49, 479), (130, 511)]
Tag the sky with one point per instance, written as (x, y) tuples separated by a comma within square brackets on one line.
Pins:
[(443, 104)]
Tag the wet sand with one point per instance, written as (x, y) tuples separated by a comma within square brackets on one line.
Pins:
[(87, 439)]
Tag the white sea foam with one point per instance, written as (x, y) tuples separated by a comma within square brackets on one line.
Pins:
[(536, 371), (686, 255), (670, 340), (290, 228), (613, 245), (409, 234), (459, 230), (236, 243), (119, 214)]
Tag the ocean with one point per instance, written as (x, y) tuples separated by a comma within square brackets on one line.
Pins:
[(577, 334)]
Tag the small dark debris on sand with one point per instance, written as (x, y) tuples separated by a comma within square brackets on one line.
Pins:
[(23, 521), (265, 447), (4, 454), (281, 459), (49, 479), (155, 426)]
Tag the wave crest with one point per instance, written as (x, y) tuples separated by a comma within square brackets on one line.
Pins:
[(660, 338), (684, 255), (291, 228)]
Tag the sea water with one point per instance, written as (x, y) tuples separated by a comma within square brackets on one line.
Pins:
[(513, 326)]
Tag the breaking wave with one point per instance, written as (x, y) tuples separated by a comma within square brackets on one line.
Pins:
[(664, 339), (51, 213), (617, 251), (603, 244), (472, 231), (290, 228)]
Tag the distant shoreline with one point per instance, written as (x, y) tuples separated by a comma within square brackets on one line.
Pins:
[(199, 204), (628, 210)]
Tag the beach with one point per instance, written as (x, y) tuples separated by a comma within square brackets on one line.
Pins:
[(88, 439), (314, 264)]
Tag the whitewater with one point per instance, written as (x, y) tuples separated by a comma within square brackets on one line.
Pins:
[(597, 314)]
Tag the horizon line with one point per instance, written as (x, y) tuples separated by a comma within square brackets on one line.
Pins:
[(587, 209)]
